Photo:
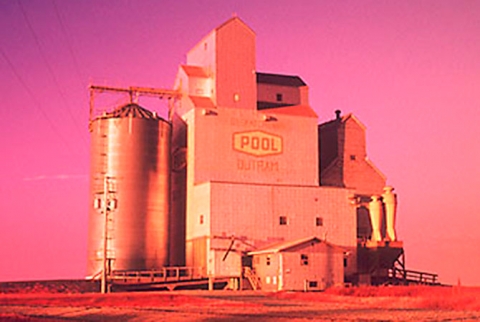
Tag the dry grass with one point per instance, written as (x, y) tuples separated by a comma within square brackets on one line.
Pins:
[(156, 299), (50, 287), (429, 297), (392, 303)]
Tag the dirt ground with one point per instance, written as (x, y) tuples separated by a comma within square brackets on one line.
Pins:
[(435, 304)]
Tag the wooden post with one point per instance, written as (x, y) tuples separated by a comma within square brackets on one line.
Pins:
[(210, 283)]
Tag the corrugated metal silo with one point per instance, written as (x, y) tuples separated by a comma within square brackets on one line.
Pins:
[(132, 146)]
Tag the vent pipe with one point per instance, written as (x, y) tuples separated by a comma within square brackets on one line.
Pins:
[(338, 114)]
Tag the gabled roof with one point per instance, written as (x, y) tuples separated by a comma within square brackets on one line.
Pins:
[(344, 119), (354, 118), (282, 80), (236, 20), (374, 167), (284, 246), (232, 20), (195, 71)]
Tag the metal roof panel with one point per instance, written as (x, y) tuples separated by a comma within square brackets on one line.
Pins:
[(282, 80)]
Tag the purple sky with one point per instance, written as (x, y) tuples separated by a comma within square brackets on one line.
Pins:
[(409, 70)]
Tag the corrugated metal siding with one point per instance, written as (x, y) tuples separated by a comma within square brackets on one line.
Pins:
[(178, 192), (135, 151), (254, 210)]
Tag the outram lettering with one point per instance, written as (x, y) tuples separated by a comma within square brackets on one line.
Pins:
[(257, 165)]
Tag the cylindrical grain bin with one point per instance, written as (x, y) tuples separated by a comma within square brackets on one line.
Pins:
[(131, 146)]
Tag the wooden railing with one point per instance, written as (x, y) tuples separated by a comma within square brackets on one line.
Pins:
[(165, 274), (252, 277), (410, 276)]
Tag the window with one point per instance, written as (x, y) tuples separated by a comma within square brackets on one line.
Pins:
[(283, 220), (279, 97), (353, 157), (312, 284), (202, 219), (112, 204), (268, 261), (345, 262), (304, 259), (319, 221)]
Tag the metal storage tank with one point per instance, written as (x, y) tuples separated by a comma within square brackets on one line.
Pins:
[(131, 146)]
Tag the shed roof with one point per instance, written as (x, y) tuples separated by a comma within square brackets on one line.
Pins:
[(284, 246), (295, 110), (194, 71), (201, 101), (282, 80)]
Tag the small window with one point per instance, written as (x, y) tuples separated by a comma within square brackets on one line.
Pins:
[(304, 259), (345, 262), (312, 284), (202, 219), (112, 204), (283, 220), (97, 203), (318, 221), (268, 261), (353, 157), (279, 97)]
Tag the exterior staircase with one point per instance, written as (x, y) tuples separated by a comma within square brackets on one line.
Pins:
[(252, 278)]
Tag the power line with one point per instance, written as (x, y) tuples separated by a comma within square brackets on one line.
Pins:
[(32, 96), (69, 45), (50, 70)]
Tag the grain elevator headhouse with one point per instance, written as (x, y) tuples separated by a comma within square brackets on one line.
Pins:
[(251, 173)]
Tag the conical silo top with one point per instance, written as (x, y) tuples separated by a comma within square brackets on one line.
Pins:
[(132, 110)]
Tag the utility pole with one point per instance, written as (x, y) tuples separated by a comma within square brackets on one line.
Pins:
[(109, 203)]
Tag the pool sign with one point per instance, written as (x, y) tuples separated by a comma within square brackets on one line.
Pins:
[(257, 143)]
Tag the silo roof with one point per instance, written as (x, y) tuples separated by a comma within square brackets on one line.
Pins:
[(132, 110)]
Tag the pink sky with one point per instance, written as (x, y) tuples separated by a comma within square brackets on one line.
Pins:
[(409, 70)]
